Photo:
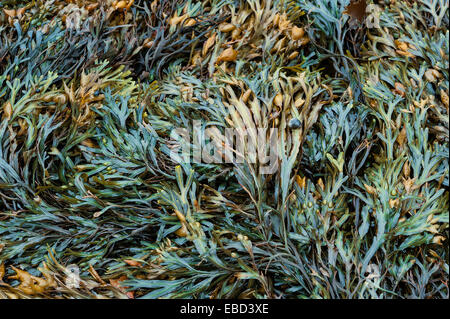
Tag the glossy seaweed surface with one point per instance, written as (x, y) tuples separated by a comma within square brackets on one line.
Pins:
[(93, 204)]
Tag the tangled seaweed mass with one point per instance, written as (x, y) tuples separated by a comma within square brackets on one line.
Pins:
[(94, 204)]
